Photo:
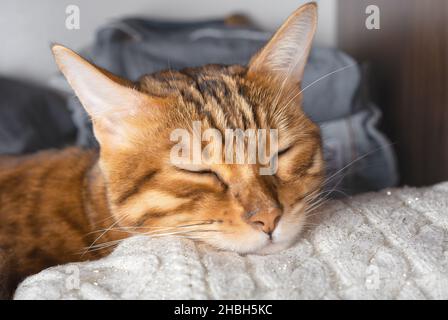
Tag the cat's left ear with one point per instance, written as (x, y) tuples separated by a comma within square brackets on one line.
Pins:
[(286, 54), (108, 99)]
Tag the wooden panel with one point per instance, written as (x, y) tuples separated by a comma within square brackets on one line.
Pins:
[(408, 77)]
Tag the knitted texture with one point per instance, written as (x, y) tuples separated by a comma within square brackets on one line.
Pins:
[(387, 245)]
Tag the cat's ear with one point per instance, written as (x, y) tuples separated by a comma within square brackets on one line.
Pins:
[(108, 99), (286, 54)]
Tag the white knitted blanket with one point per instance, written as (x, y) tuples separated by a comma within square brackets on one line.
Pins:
[(387, 245)]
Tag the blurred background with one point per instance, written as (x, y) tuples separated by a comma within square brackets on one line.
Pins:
[(378, 69), (28, 27)]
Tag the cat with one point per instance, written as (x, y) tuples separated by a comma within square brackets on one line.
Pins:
[(74, 204)]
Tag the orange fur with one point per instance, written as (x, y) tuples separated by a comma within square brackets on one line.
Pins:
[(55, 204)]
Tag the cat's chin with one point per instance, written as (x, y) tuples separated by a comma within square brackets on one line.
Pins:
[(259, 243), (269, 247), (276, 246)]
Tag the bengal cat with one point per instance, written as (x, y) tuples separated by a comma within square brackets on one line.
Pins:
[(63, 206)]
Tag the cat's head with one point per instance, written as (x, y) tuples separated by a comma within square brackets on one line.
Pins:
[(232, 205)]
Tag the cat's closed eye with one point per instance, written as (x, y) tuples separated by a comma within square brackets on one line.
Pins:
[(207, 172), (284, 151)]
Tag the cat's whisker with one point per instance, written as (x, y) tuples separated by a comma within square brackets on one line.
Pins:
[(109, 244), (102, 246), (314, 199), (327, 75), (129, 229), (318, 203), (317, 81), (181, 233), (181, 230), (359, 158), (313, 225), (107, 230), (313, 211), (125, 228), (325, 193), (318, 198)]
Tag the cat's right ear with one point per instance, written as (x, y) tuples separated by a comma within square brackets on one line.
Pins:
[(108, 99), (286, 54)]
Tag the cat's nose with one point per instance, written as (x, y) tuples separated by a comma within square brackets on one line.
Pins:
[(266, 220)]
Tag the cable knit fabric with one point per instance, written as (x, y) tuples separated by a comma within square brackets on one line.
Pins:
[(387, 245)]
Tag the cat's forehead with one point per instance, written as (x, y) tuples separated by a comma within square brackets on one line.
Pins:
[(202, 78), (222, 97), (211, 93)]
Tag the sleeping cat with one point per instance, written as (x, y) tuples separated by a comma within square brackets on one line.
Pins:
[(71, 205)]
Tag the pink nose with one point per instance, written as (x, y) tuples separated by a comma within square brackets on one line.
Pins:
[(266, 220)]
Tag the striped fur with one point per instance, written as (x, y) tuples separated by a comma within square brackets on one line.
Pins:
[(61, 206)]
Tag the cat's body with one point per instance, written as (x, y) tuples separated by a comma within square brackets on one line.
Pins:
[(50, 203), (61, 206)]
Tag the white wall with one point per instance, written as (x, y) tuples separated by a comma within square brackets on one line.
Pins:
[(27, 27)]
